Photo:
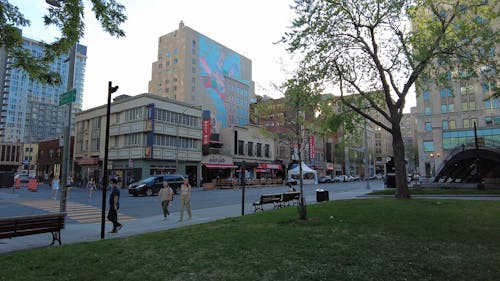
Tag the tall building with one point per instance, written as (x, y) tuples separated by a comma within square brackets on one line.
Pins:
[(195, 69), (409, 133), (30, 110)]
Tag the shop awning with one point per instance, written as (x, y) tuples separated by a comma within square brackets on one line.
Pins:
[(269, 166), (262, 170), (220, 166)]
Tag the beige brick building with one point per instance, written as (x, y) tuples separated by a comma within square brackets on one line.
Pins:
[(200, 71)]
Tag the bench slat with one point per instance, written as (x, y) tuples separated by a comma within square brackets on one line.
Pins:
[(29, 225)]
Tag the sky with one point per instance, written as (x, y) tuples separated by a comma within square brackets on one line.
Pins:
[(250, 28)]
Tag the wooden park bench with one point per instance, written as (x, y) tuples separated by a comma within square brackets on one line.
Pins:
[(29, 225), (274, 199), (290, 198)]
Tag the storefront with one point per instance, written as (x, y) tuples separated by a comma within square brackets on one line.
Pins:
[(269, 170), (216, 167)]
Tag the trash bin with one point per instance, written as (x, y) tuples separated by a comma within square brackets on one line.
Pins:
[(391, 181), (322, 195)]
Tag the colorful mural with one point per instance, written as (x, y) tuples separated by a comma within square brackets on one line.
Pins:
[(217, 63)]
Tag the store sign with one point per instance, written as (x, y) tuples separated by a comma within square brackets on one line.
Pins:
[(217, 159), (205, 129), (311, 148)]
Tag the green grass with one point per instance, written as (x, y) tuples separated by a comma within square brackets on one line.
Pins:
[(373, 239), (439, 191)]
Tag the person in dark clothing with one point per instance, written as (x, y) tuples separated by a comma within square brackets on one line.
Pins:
[(114, 205)]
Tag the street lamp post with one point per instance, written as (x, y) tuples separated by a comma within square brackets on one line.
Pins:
[(67, 134), (111, 90)]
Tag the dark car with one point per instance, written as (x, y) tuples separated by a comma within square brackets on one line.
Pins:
[(152, 185)]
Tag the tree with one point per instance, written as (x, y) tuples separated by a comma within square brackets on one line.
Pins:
[(295, 115), (67, 15), (363, 46)]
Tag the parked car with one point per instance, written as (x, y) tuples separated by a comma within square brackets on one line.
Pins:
[(23, 178), (152, 185), (342, 178), (325, 179)]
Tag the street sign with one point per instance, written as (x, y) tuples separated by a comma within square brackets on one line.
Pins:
[(68, 97)]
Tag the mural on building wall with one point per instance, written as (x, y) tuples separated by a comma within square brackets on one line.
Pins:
[(217, 63)]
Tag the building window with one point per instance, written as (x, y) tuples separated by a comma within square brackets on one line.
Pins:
[(176, 61), (427, 110), (426, 95), (452, 124), (167, 54), (250, 148), (267, 150), (444, 108), (446, 93), (428, 126), (259, 150), (428, 146), (488, 121), (176, 51), (241, 147), (445, 125)]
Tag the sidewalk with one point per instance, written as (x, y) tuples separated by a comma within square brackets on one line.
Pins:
[(76, 232)]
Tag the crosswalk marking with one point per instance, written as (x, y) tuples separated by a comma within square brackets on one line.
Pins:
[(76, 211)]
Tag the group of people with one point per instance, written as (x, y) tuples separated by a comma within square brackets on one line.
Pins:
[(165, 196)]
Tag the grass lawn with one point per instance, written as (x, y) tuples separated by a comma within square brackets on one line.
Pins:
[(372, 239), (440, 191)]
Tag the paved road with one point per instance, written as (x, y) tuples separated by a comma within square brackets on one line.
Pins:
[(143, 214)]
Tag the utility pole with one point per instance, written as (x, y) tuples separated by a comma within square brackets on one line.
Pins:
[(111, 90)]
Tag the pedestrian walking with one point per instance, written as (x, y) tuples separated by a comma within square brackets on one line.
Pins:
[(55, 187), (185, 198), (114, 205), (166, 195), (91, 187)]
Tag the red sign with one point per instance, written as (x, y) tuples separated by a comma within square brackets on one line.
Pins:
[(311, 147), (205, 130)]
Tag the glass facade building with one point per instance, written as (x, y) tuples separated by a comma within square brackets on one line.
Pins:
[(30, 110)]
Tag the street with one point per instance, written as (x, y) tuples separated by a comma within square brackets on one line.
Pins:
[(82, 209)]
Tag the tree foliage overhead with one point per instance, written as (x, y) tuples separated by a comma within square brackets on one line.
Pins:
[(366, 46), (67, 16)]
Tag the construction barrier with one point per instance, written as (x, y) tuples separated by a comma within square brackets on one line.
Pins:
[(18, 183), (32, 185)]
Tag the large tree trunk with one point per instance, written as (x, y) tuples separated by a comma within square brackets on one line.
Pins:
[(399, 163)]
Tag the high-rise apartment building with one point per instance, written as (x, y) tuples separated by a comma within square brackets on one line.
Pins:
[(30, 110), (195, 69)]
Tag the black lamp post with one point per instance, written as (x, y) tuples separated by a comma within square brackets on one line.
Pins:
[(243, 168), (111, 90)]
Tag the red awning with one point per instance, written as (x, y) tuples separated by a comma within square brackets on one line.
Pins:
[(261, 170), (269, 166), (220, 166)]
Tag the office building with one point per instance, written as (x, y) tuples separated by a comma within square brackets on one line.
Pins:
[(30, 110)]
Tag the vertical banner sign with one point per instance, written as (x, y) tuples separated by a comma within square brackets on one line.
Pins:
[(151, 133), (206, 128), (311, 149)]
